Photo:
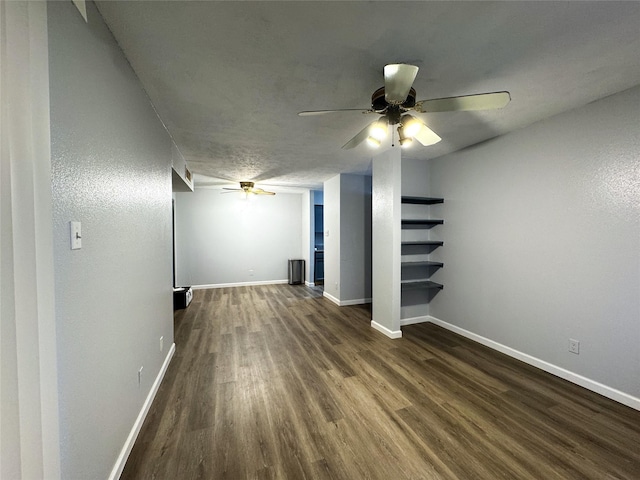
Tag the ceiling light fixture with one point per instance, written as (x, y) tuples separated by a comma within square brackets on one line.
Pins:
[(377, 132), (247, 188), (405, 140), (373, 142), (409, 128), (379, 129), (411, 125), (397, 97)]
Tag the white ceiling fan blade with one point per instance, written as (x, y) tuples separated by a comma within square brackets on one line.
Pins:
[(232, 189), (359, 138), (398, 79), (426, 136), (481, 101), (259, 191), (324, 112)]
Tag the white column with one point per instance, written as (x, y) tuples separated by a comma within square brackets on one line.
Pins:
[(386, 213), (29, 435)]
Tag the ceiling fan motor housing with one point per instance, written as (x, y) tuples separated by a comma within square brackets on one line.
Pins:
[(378, 103), (246, 186)]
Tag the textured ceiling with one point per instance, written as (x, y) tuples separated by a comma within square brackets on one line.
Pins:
[(228, 78)]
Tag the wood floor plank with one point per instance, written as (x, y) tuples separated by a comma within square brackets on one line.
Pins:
[(277, 382)]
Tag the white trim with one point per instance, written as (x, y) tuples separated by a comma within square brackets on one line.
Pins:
[(133, 434), (346, 303), (29, 411), (414, 320), (356, 301), (309, 284), (386, 331), (239, 284), (572, 377), (331, 297)]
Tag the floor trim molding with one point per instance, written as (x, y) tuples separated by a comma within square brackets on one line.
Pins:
[(325, 294), (238, 284), (414, 320), (572, 377), (357, 301), (135, 430), (346, 303), (384, 330)]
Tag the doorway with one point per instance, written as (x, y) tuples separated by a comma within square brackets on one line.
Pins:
[(318, 245)]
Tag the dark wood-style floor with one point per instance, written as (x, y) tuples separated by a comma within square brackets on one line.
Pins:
[(277, 382)]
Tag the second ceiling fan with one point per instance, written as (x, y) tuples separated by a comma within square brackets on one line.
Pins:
[(248, 188), (397, 97)]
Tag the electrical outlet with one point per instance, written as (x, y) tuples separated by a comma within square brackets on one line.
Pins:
[(161, 344), (140, 376), (574, 346), (251, 273)]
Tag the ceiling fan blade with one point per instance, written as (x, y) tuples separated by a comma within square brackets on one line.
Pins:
[(426, 136), (359, 138), (324, 112), (398, 79), (481, 101), (259, 191), (232, 189)]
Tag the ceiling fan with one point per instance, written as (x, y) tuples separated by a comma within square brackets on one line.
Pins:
[(248, 187), (397, 97)]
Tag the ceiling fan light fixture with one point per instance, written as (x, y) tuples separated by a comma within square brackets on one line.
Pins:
[(248, 188), (378, 129), (405, 140), (411, 125), (397, 97), (373, 142)]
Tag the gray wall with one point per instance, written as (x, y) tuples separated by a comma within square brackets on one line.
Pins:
[(542, 240), (111, 169), (355, 238), (229, 238), (415, 180), (347, 248)]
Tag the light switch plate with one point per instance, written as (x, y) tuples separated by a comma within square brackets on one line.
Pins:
[(76, 235)]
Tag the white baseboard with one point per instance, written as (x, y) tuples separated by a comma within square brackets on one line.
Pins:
[(309, 284), (357, 301), (331, 297), (133, 434), (346, 303), (414, 320), (239, 284), (572, 377), (386, 331)]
